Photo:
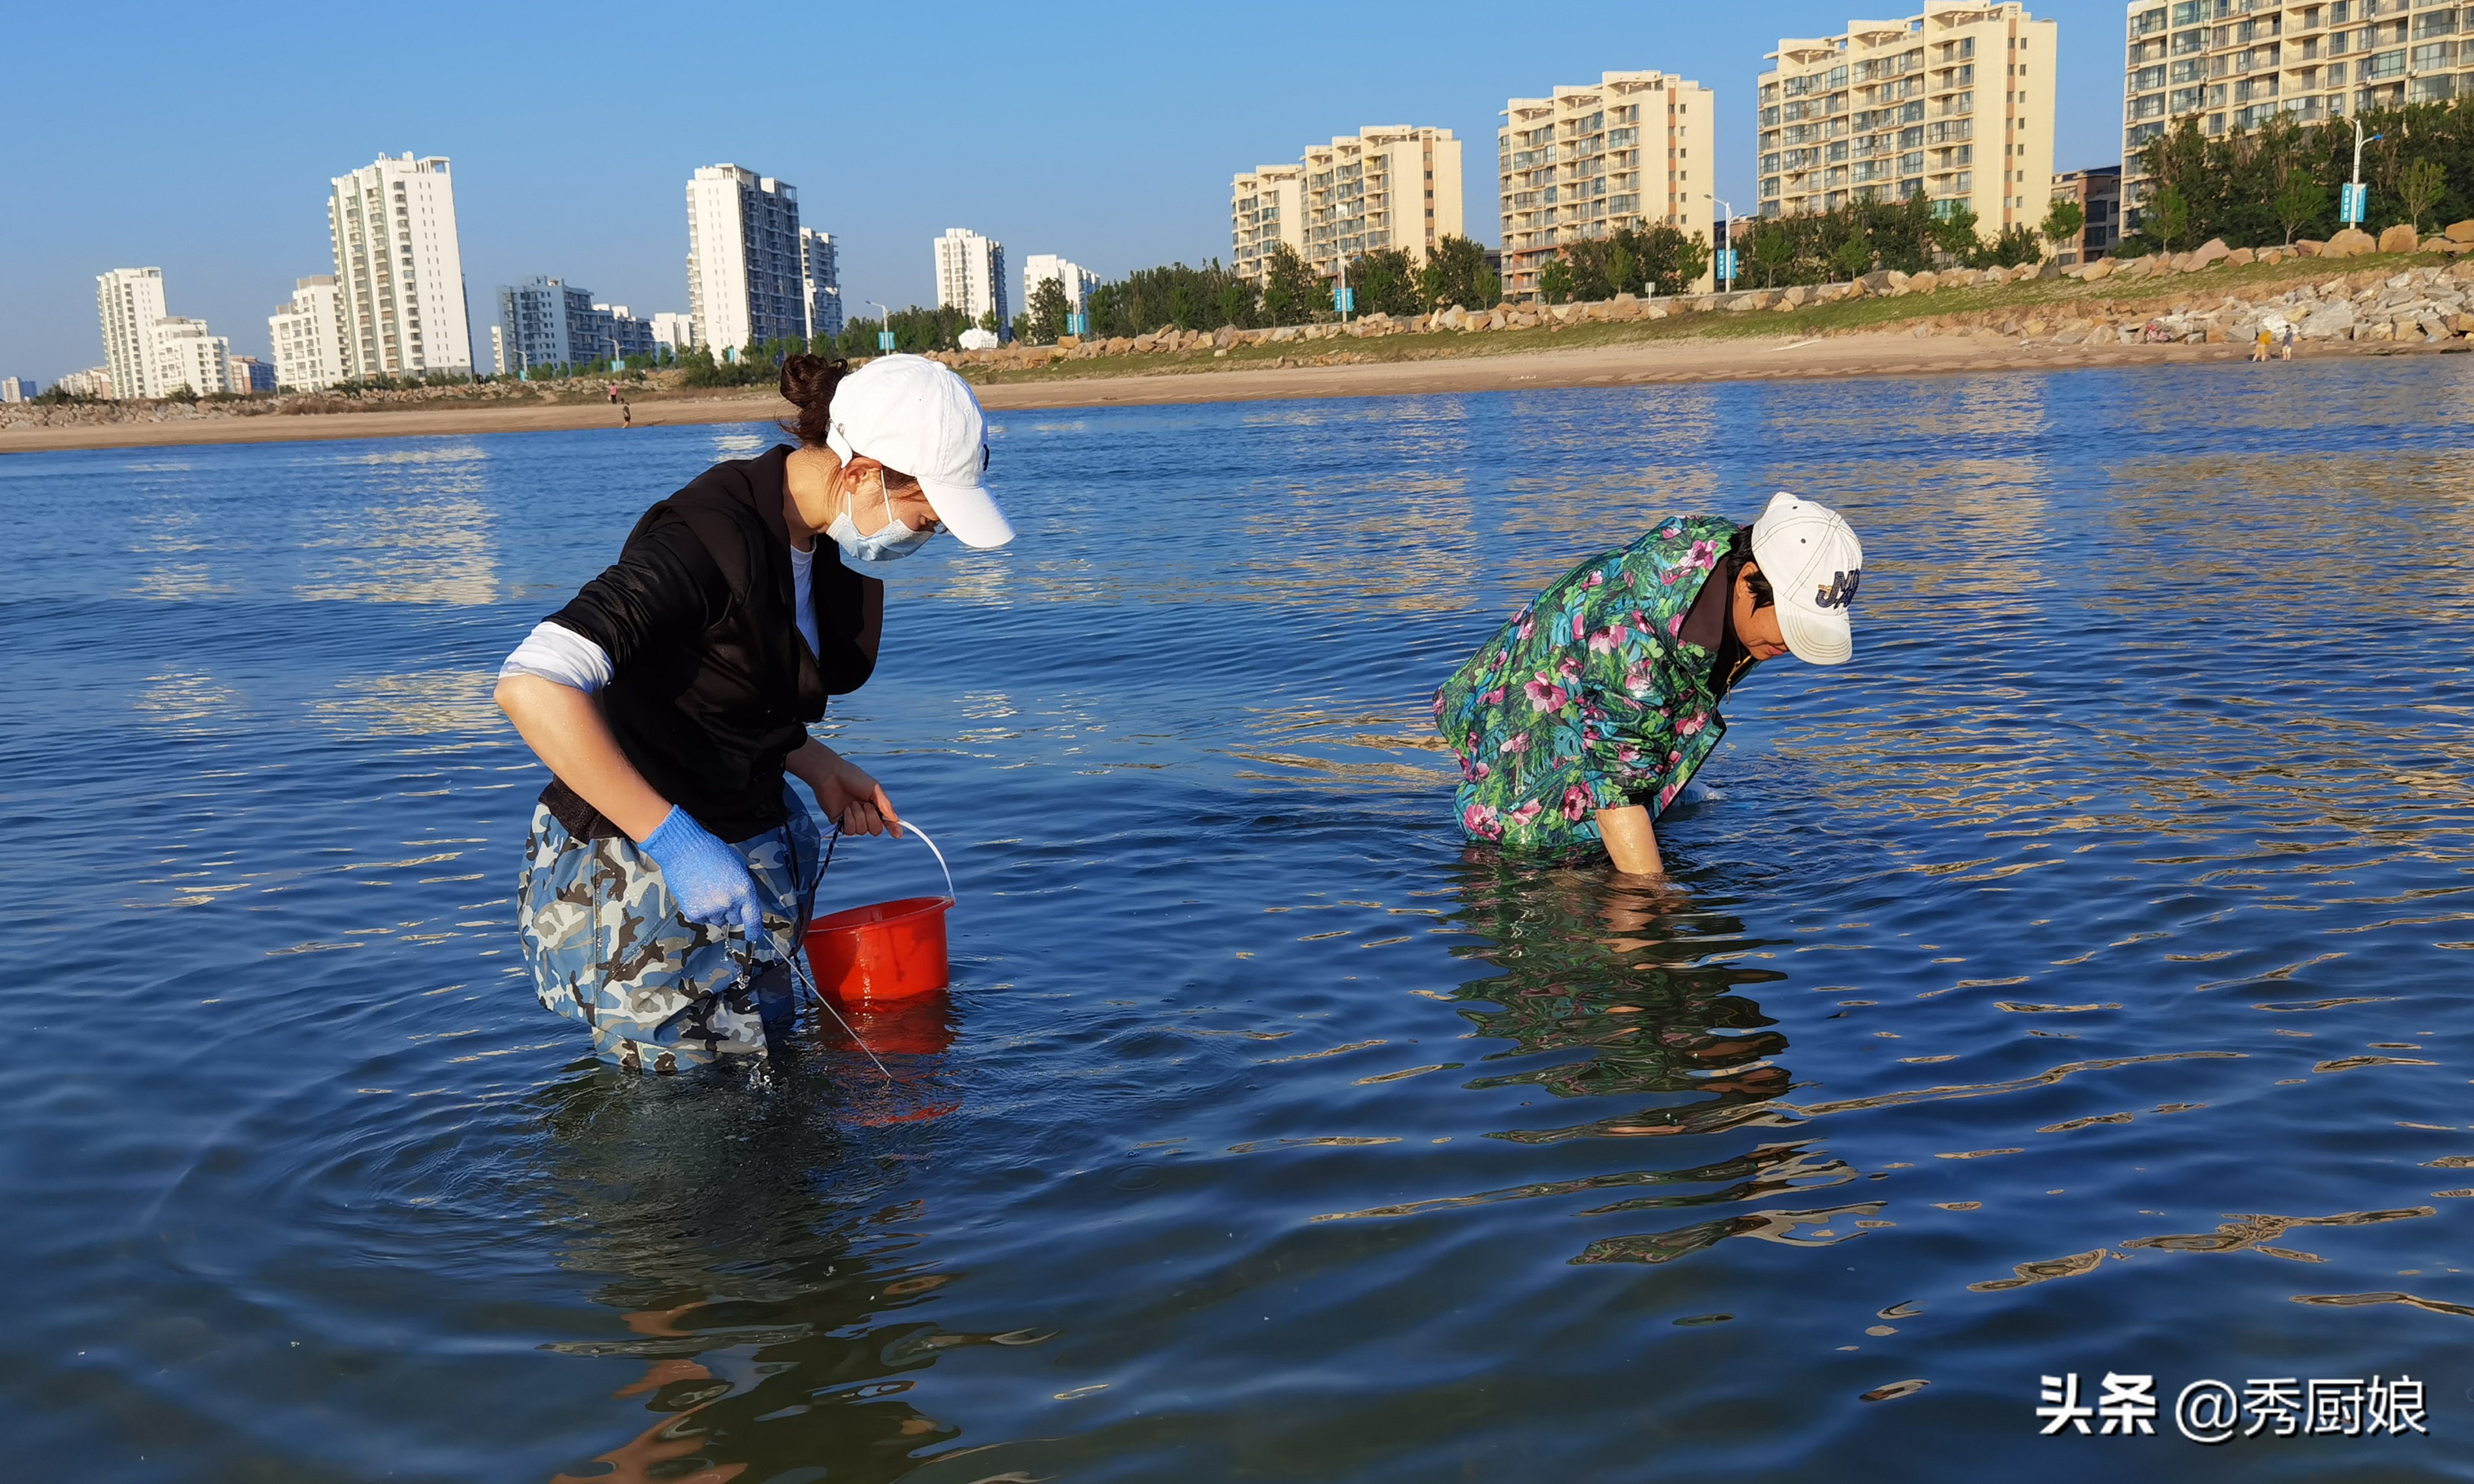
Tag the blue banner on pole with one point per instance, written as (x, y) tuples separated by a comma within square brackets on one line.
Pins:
[(1077, 325), (1726, 267), (885, 340), (1343, 300), (2353, 202)]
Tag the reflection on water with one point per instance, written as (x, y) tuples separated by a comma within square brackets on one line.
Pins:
[(2068, 983), (774, 1294)]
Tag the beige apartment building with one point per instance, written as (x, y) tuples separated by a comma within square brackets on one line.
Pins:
[(1579, 165), (1395, 186), (1954, 104), (2235, 64), (1267, 206)]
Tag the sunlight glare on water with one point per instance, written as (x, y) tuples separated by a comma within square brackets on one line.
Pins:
[(2069, 984)]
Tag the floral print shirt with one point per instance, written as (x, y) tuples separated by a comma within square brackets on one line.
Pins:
[(1590, 698)]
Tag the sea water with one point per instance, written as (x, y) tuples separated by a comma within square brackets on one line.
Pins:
[(2073, 984)]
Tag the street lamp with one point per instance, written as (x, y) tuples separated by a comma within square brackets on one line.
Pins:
[(884, 324), (2356, 207), (1726, 238)]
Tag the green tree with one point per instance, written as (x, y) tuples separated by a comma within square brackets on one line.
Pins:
[(1555, 281), (2064, 220), (1386, 281), (2169, 217), (1045, 319), (2302, 203), (1670, 262), (1773, 248), (1953, 232), (1291, 291), (1237, 300), (2420, 188), (1456, 274), (1853, 258), (2016, 245)]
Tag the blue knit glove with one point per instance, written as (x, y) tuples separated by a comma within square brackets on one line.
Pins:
[(708, 879)]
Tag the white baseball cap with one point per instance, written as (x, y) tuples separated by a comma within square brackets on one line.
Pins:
[(1813, 564), (916, 417)]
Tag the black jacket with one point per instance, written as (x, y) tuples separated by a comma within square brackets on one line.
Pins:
[(713, 685)]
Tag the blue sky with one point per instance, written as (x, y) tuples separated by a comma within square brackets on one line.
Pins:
[(201, 138)]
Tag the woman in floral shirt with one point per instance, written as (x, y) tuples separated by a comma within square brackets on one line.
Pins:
[(1583, 718)]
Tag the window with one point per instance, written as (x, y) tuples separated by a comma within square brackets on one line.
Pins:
[(2147, 80), (1912, 162), (2432, 23), (2187, 43), (2386, 65)]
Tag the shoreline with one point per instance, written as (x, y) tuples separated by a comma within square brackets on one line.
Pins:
[(1647, 363)]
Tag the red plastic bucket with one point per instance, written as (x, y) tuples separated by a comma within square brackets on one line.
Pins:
[(920, 1026), (884, 951)]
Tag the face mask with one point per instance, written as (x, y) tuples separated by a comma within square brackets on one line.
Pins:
[(889, 543)]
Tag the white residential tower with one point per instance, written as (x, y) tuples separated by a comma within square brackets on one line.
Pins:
[(746, 281), (400, 269), (971, 274)]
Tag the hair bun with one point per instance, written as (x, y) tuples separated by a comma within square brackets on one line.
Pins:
[(807, 383), (808, 379)]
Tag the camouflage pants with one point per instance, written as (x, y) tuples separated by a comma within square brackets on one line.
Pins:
[(606, 945)]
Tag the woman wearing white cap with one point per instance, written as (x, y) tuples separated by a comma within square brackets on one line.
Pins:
[(1583, 718), (671, 868)]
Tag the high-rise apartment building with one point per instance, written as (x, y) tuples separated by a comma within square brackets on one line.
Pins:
[(308, 336), (1267, 207), (548, 322), (675, 330), (2098, 194), (2235, 63), (94, 381), (1076, 281), (971, 274), (245, 374), (20, 388), (1395, 186), (1632, 149), (1954, 104), (745, 282), (130, 303), (820, 278), (185, 354), (627, 333), (400, 269)]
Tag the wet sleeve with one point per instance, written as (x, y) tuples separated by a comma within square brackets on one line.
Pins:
[(662, 589)]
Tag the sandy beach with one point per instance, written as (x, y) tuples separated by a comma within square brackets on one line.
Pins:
[(1640, 363)]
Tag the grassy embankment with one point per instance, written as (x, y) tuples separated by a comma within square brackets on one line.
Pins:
[(2052, 299)]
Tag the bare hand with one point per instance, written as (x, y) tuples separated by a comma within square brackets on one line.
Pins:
[(856, 801)]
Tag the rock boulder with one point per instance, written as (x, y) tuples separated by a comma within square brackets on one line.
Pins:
[(2352, 242), (2400, 238), (2460, 231)]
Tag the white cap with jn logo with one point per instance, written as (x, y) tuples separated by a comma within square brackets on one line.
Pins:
[(1813, 564)]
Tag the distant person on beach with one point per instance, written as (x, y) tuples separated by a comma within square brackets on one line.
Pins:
[(626, 414), (2287, 340), (1583, 719), (671, 868), (2258, 346)]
